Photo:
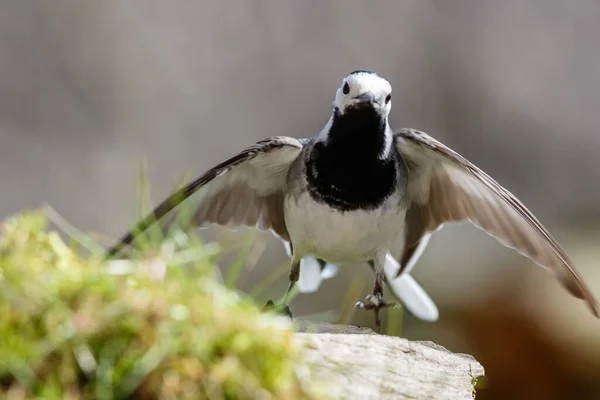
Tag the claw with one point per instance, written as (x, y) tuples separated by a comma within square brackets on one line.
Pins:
[(375, 303), (374, 300), (359, 304)]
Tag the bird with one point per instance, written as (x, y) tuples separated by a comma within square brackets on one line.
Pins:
[(351, 190)]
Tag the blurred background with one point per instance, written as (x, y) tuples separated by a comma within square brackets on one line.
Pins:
[(89, 90)]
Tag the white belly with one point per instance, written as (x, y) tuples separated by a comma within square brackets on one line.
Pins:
[(350, 237)]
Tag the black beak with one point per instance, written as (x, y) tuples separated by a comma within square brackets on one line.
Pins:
[(366, 98)]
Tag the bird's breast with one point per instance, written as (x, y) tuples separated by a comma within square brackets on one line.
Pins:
[(341, 237)]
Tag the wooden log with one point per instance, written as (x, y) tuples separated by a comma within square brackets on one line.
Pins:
[(357, 363)]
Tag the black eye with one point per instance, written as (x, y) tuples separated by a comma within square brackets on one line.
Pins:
[(388, 98), (346, 88)]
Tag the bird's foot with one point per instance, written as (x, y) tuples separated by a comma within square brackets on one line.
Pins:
[(282, 309), (375, 302)]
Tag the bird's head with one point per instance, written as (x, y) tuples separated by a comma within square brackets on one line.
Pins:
[(364, 89)]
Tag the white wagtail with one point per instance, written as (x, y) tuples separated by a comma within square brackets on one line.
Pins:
[(347, 193)]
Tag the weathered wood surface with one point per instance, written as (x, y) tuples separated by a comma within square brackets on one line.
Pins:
[(356, 363)]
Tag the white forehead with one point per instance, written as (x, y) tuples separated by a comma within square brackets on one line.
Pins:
[(368, 82)]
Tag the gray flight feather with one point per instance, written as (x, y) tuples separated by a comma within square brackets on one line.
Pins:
[(246, 189), (443, 187)]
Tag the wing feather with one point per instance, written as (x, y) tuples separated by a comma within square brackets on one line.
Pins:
[(444, 187), (246, 189)]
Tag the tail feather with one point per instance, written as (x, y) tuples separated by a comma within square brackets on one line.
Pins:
[(310, 275), (312, 271), (406, 289), (329, 271)]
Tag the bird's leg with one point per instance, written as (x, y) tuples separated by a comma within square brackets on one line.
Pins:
[(375, 301), (293, 278)]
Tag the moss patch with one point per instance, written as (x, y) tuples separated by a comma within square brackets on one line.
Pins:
[(75, 327)]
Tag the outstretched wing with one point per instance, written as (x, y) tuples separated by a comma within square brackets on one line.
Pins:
[(247, 189), (443, 187)]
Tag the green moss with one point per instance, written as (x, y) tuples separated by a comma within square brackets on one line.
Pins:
[(75, 327)]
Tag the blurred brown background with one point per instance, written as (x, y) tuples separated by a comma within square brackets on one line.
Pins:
[(89, 89)]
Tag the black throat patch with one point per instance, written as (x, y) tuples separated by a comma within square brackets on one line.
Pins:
[(345, 171)]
